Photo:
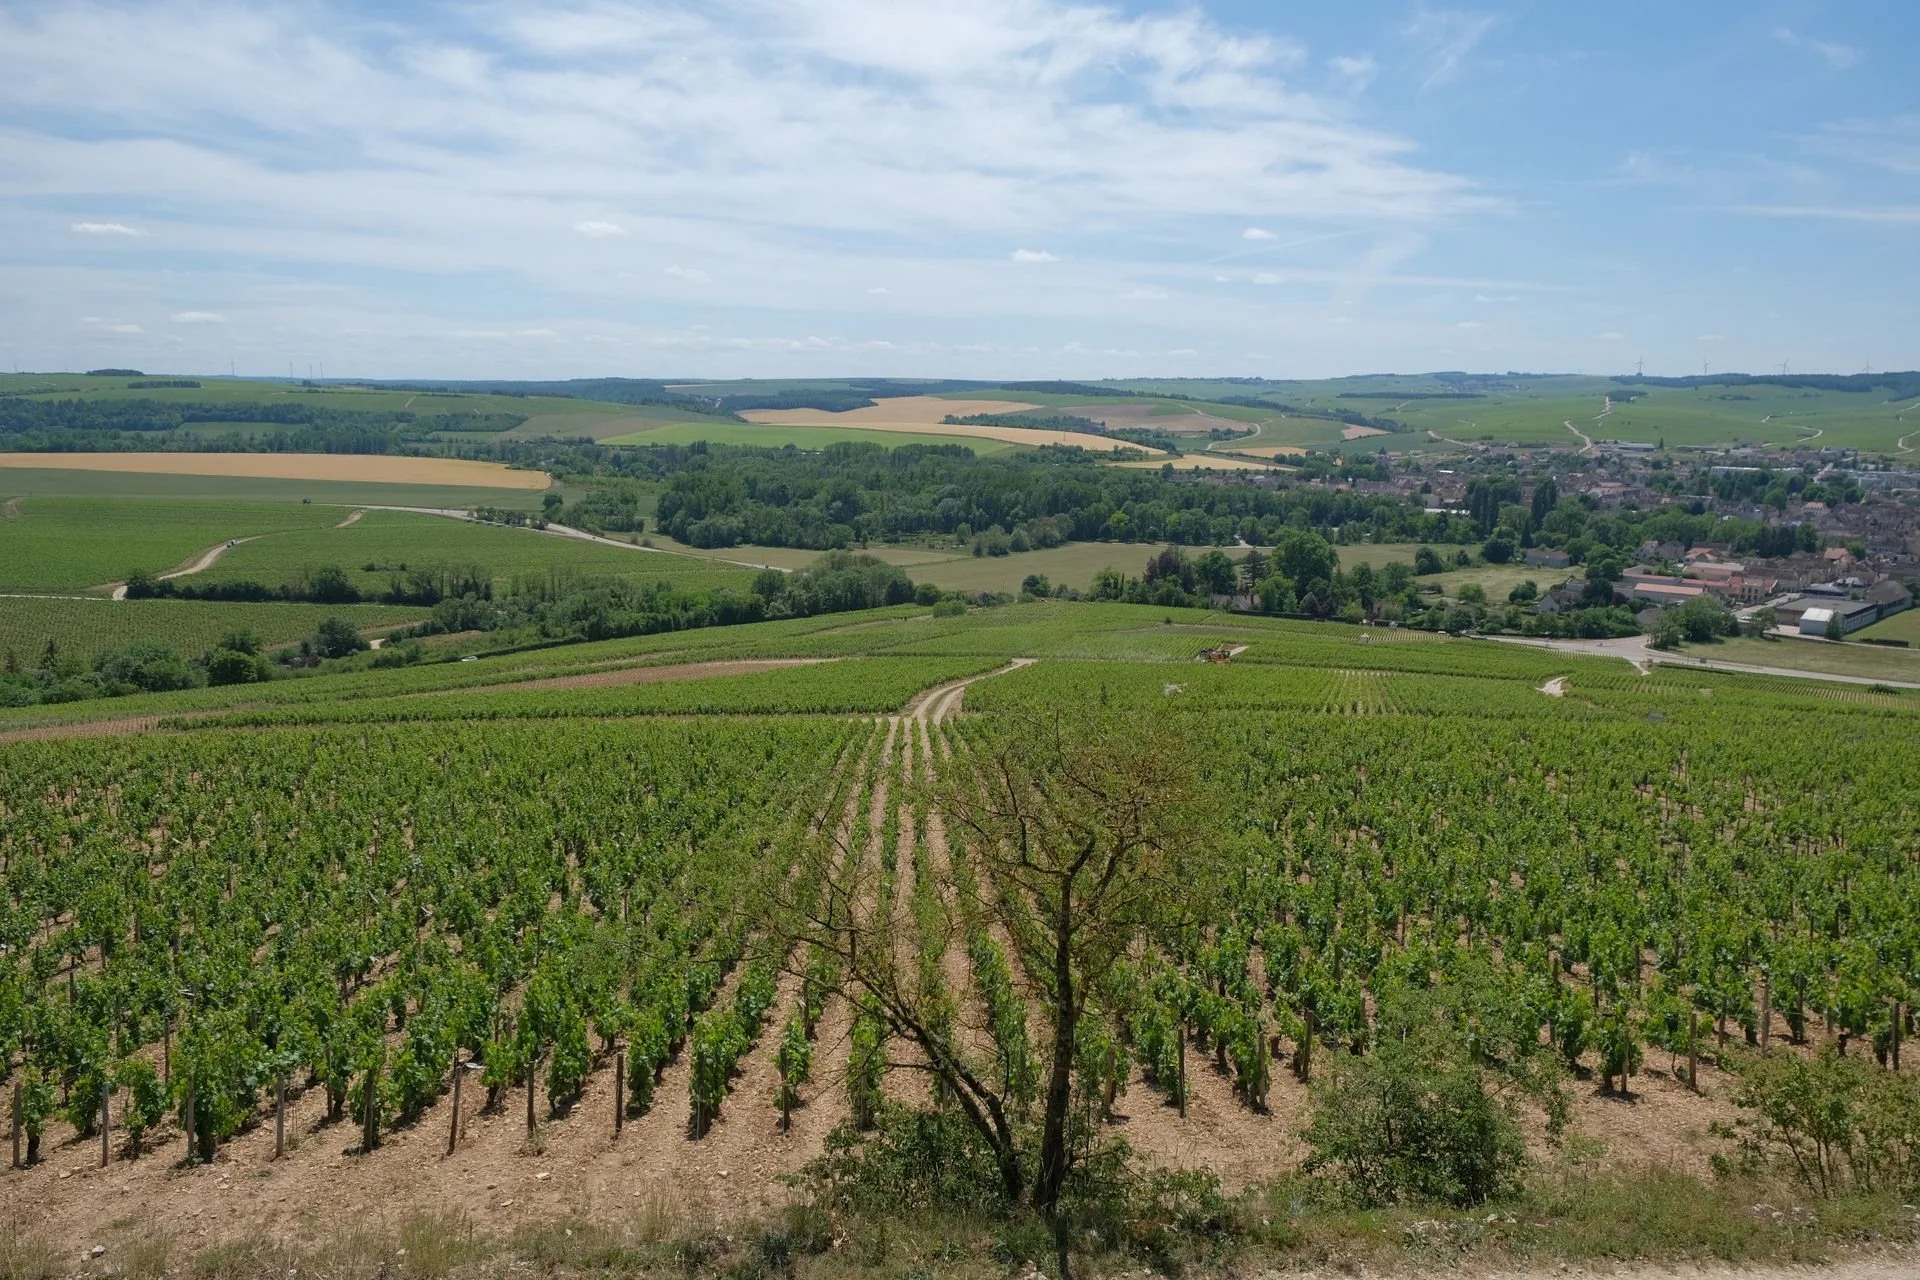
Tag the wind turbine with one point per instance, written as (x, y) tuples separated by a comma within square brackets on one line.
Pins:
[(1783, 367)]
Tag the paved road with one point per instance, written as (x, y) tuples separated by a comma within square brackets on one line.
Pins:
[(1640, 653)]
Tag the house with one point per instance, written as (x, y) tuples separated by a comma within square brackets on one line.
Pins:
[(1548, 556), (1852, 615), (1569, 595), (1660, 593), (1838, 557)]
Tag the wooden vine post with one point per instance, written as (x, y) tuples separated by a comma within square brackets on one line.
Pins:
[(106, 1121), (453, 1129), (19, 1115), (1183, 1066), (193, 1147), (1766, 1013), (533, 1062), (370, 1116), (619, 1092), (279, 1117), (1693, 1049)]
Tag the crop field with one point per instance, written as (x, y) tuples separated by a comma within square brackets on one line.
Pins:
[(921, 415), (86, 627), (355, 884), (391, 541), (63, 482), (269, 391), (67, 544), (772, 436), (351, 468)]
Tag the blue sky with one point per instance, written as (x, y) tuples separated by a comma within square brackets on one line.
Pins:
[(999, 188)]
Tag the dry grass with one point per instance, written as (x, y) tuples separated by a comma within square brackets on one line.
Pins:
[(1271, 450), (921, 415), (363, 468), (1358, 433)]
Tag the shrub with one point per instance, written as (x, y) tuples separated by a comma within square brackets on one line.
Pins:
[(1839, 1123), (1416, 1121)]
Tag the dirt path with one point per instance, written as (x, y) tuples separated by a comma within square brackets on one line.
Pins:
[(354, 518), (199, 564), (1586, 440), (1555, 688), (10, 510)]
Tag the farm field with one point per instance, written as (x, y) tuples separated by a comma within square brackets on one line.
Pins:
[(1201, 462), (391, 541), (31, 481), (921, 415), (776, 436), (70, 543), (85, 627), (213, 390), (532, 878), (351, 468)]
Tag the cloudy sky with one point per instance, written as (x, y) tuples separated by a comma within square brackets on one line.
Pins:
[(975, 188)]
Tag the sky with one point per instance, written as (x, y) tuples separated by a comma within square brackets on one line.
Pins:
[(989, 188)]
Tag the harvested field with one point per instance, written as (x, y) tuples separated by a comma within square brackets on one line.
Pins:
[(1201, 462), (1360, 433), (921, 415), (364, 468), (1273, 451)]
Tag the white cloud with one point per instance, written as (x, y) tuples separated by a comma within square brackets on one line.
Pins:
[(1611, 336), (197, 317), (1257, 233), (1713, 337), (1033, 255), (1469, 324), (879, 289), (1358, 72), (106, 229), (94, 324), (1268, 277), (535, 333), (1838, 213), (1183, 351), (1838, 57), (693, 275), (1445, 38), (594, 229)]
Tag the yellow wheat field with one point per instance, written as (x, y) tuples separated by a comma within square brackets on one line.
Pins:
[(365, 468), (920, 415), (1204, 462)]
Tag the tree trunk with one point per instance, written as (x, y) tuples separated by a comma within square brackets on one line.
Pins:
[(1053, 1140)]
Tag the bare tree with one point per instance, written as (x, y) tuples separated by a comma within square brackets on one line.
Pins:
[(1073, 837)]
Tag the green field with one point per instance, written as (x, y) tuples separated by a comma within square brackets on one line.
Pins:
[(770, 436), (392, 540), (67, 544), (215, 390), (85, 627)]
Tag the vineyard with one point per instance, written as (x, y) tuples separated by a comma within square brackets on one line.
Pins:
[(517, 936)]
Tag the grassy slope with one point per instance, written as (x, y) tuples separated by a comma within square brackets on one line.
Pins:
[(1901, 626), (1869, 661)]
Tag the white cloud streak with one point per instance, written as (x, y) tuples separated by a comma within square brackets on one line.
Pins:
[(105, 229), (1444, 39), (1838, 57)]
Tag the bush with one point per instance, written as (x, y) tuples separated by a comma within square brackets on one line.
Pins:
[(1416, 1121), (150, 666), (950, 609), (337, 638), (230, 666), (1838, 1123)]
